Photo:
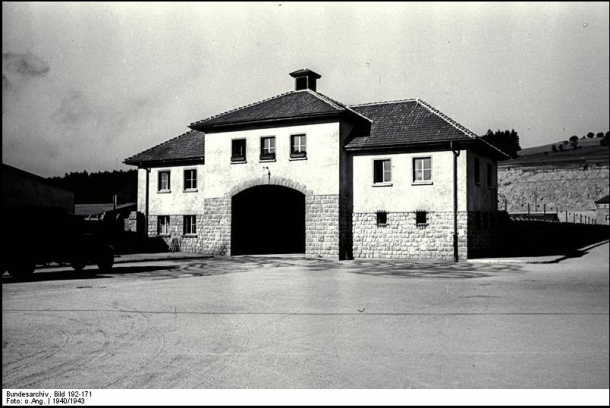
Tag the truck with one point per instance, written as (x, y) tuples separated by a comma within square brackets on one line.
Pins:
[(35, 236)]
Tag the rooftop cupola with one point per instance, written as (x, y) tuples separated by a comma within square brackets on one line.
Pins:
[(305, 79)]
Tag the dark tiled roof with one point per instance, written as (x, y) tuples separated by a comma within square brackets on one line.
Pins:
[(290, 105), (186, 147), (407, 122), (603, 200), (96, 209)]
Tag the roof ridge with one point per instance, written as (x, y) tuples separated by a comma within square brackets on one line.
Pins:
[(456, 125), (447, 119), (161, 144), (384, 102), (241, 107), (332, 101)]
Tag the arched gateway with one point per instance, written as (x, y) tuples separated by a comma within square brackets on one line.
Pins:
[(268, 219)]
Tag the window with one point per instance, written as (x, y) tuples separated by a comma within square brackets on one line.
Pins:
[(382, 218), (163, 225), (382, 171), (164, 181), (238, 150), (190, 179), (421, 218), (298, 146), (422, 169), (268, 148), (190, 225), (489, 175), (477, 171)]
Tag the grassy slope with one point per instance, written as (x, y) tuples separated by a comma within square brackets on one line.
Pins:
[(588, 152)]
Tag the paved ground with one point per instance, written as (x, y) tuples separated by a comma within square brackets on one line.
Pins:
[(270, 322)]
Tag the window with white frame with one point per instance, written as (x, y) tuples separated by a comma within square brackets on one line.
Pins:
[(422, 169), (298, 146), (164, 181), (190, 179), (190, 225), (268, 148), (163, 225), (382, 171), (238, 150)]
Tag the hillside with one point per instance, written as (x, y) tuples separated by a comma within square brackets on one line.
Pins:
[(589, 152), (567, 182)]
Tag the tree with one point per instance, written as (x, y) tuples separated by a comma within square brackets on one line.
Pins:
[(590, 135), (600, 134), (554, 149), (604, 141), (507, 141), (574, 141)]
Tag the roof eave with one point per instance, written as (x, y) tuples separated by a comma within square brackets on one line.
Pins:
[(202, 127), (443, 143), (160, 162)]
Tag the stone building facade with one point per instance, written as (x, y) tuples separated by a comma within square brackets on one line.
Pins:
[(301, 172)]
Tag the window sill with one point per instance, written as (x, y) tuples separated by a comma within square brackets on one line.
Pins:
[(267, 160), (190, 190), (421, 226), (388, 184), (422, 183), (163, 235), (238, 162), (382, 225), (296, 158), (164, 191)]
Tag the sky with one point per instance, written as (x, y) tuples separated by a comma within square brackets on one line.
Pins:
[(87, 85)]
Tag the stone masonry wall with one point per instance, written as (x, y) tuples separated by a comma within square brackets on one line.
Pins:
[(402, 238), (176, 241), (322, 226), (483, 234), (216, 227)]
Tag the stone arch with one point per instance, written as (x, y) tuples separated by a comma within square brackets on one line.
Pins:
[(273, 181)]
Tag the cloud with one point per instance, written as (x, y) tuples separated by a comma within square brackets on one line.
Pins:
[(17, 69), (23, 64), (75, 110)]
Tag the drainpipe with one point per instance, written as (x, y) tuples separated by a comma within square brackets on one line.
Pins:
[(146, 199), (456, 153)]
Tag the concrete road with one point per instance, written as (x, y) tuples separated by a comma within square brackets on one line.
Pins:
[(271, 322)]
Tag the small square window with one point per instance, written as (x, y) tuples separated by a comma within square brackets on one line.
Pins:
[(164, 181), (190, 225), (422, 169), (190, 179), (163, 225), (238, 150), (298, 146), (421, 218), (268, 148), (382, 218), (382, 171)]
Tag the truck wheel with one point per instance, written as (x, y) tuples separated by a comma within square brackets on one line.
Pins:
[(78, 265), (22, 270), (106, 261)]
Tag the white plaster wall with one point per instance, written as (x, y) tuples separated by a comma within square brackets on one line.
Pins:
[(141, 190), (177, 201), (403, 195), (319, 172)]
